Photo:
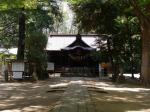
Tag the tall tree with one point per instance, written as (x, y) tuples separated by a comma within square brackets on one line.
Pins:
[(35, 45), (22, 5), (142, 11), (21, 40), (114, 19), (48, 7)]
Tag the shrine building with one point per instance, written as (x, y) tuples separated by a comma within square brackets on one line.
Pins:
[(72, 54)]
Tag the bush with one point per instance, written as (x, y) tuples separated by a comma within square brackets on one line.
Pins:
[(35, 53)]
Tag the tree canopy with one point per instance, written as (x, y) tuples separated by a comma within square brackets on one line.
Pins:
[(24, 17), (121, 22)]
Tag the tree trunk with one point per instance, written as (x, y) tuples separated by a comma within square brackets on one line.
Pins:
[(132, 60), (145, 67), (21, 43), (114, 66), (145, 36)]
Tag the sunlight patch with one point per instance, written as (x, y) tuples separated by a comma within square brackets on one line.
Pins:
[(142, 110), (58, 85), (14, 110), (33, 108), (124, 89), (16, 97), (77, 82)]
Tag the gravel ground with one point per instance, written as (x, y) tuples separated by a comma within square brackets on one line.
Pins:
[(44, 95)]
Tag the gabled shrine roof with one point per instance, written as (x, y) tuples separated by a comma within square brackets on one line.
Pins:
[(60, 42), (79, 43)]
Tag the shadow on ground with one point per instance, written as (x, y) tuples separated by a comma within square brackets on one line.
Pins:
[(45, 95)]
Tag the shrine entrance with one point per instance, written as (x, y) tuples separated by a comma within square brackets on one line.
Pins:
[(79, 59)]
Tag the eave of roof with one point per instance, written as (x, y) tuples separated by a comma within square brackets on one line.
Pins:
[(81, 47), (59, 42)]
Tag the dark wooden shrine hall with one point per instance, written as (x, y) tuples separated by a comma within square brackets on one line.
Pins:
[(75, 58)]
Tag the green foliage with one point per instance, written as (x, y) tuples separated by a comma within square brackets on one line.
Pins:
[(127, 44), (42, 17), (8, 28), (102, 56), (35, 45), (115, 19), (4, 56), (35, 52), (38, 20), (144, 2), (9, 4), (100, 14)]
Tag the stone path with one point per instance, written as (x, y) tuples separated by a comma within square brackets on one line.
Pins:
[(75, 99)]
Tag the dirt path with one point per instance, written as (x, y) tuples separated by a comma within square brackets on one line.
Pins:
[(43, 96)]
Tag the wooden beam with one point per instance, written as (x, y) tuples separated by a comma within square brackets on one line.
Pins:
[(74, 35)]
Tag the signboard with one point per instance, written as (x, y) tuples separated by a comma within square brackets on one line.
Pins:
[(50, 66), (17, 66), (17, 75), (17, 69)]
